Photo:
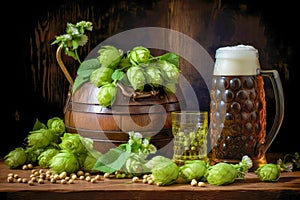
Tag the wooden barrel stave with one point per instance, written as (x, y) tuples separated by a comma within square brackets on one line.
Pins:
[(109, 127)]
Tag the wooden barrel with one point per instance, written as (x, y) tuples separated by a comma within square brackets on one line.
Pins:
[(109, 127)]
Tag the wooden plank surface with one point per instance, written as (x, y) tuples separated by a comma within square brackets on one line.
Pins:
[(288, 187)]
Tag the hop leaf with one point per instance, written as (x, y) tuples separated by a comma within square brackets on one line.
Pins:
[(90, 160), (73, 38), (84, 71)]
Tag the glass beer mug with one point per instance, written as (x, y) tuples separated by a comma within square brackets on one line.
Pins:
[(238, 106)]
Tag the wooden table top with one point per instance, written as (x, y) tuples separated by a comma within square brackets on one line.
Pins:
[(288, 187)]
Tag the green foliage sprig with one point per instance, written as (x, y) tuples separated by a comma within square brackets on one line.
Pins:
[(290, 162), (136, 68), (73, 38)]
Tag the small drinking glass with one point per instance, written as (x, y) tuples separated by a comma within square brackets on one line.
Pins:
[(189, 129)]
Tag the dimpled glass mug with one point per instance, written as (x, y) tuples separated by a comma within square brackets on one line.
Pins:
[(238, 106)]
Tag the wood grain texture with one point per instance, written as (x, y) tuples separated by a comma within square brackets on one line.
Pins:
[(209, 23), (40, 90), (251, 188)]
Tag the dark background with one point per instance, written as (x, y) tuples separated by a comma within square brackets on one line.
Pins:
[(34, 87)]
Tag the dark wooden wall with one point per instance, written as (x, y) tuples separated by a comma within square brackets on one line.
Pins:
[(35, 87)]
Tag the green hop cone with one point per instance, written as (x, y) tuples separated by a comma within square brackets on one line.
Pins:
[(101, 76), (15, 158), (45, 157), (75, 143), (135, 165), (41, 138), (170, 71), (64, 161), (192, 169), (268, 172), (33, 153), (153, 75), (107, 95), (170, 87), (90, 160), (57, 125), (109, 56), (138, 55), (163, 169), (221, 174), (136, 77)]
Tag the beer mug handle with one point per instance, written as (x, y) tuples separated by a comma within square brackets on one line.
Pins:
[(279, 102)]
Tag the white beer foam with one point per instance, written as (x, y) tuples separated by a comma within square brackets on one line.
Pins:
[(239, 60)]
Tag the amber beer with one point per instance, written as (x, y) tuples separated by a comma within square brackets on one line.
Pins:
[(238, 107)]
